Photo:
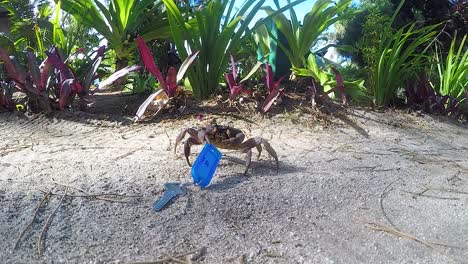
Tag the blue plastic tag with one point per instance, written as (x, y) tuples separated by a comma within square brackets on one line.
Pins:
[(205, 165)]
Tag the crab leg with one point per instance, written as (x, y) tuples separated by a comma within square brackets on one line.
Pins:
[(191, 131), (271, 151), (257, 142), (188, 144), (248, 160), (246, 147), (259, 149)]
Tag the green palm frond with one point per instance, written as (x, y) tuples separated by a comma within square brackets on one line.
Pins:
[(120, 21)]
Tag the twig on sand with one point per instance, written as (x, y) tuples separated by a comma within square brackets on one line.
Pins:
[(41, 203), (99, 196), (382, 197), (414, 195), (103, 196), (68, 186), (129, 153), (447, 190), (273, 255), (379, 227), (48, 194), (177, 258), (398, 233), (13, 149), (47, 223)]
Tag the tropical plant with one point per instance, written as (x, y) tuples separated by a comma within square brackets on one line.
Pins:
[(455, 12), (76, 81), (141, 82), (265, 44), (274, 91), (236, 88), (247, 57), (421, 95), (29, 81), (28, 30), (46, 89), (301, 38), (400, 58), (324, 83), (170, 84), (170, 88), (37, 31), (67, 40), (18, 9), (453, 70), (106, 83), (120, 21), (363, 31), (372, 35), (217, 31), (268, 51)]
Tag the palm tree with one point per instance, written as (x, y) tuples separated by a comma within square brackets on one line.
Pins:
[(120, 21)]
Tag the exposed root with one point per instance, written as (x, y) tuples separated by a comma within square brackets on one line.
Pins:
[(47, 223), (43, 201), (381, 202), (99, 196)]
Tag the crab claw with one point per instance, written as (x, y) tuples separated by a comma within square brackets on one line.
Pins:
[(195, 139)]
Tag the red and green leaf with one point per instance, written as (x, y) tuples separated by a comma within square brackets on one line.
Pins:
[(233, 68), (235, 89), (231, 78), (340, 87), (149, 62), (45, 74), (171, 81), (271, 98), (269, 78), (66, 89), (273, 87), (92, 69), (57, 62)]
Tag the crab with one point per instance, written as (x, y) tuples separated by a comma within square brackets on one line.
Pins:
[(225, 137)]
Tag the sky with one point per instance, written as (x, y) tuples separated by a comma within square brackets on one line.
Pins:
[(300, 9)]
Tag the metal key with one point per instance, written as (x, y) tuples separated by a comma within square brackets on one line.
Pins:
[(172, 190)]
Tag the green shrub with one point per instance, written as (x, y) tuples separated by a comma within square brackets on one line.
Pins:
[(452, 70), (216, 30), (301, 38)]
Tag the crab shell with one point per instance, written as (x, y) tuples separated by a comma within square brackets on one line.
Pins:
[(225, 137)]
